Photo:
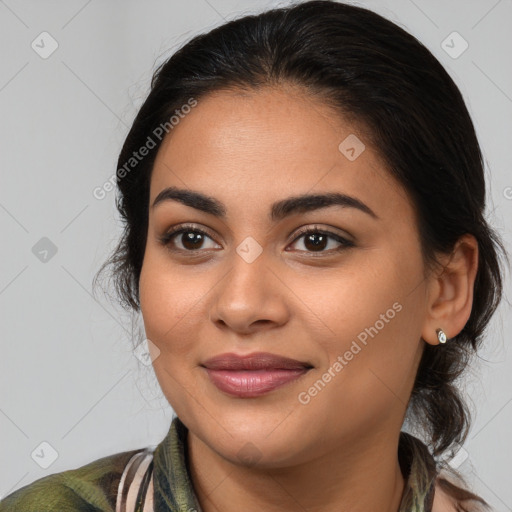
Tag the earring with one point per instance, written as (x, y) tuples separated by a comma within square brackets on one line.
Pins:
[(441, 336)]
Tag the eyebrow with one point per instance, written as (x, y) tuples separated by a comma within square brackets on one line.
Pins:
[(279, 210)]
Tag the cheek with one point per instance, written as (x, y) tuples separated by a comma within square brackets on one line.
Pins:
[(357, 301), (170, 300), (374, 324)]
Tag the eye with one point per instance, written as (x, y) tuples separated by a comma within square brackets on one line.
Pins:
[(191, 239), (316, 240)]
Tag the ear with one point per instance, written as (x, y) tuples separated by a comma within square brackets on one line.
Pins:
[(450, 291)]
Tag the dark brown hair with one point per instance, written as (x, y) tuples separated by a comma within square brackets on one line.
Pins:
[(377, 74)]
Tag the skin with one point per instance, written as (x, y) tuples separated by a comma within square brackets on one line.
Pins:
[(338, 452)]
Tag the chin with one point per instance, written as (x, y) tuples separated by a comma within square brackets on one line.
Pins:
[(250, 445)]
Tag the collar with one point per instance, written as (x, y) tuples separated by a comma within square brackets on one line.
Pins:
[(174, 492)]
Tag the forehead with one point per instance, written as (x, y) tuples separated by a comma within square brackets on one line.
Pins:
[(257, 146)]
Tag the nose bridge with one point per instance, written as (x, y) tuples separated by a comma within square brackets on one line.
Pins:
[(249, 264), (250, 291)]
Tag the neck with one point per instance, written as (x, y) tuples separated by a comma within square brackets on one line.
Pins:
[(356, 479)]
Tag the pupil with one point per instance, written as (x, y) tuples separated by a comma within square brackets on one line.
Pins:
[(189, 239), (317, 244)]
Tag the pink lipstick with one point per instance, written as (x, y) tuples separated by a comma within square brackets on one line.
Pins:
[(253, 375)]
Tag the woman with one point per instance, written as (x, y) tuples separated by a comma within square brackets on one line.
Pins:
[(303, 196)]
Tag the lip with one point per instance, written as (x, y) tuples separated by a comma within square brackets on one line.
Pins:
[(254, 374)]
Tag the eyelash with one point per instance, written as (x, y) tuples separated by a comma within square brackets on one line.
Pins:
[(166, 238)]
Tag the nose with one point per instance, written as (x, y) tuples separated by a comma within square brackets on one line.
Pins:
[(250, 297)]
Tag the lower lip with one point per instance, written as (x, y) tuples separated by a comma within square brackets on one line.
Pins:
[(248, 384)]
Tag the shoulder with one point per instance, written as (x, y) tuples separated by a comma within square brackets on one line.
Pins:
[(451, 495), (92, 487)]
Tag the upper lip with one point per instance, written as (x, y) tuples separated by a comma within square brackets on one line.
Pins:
[(255, 361)]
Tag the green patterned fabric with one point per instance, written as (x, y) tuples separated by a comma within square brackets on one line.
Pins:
[(93, 487)]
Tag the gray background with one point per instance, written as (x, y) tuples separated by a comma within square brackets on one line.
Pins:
[(69, 376)]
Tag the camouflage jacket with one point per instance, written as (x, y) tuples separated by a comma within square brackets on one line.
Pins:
[(157, 480)]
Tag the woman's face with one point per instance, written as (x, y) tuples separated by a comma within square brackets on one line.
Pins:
[(354, 309)]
